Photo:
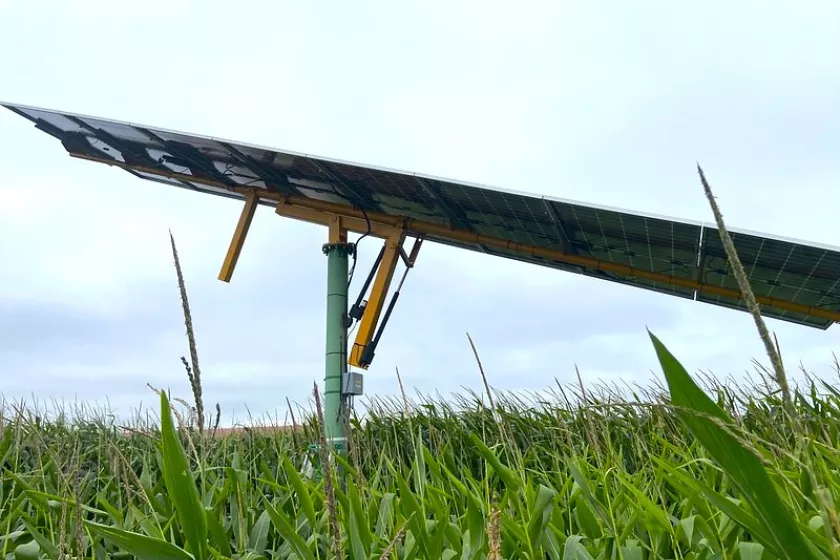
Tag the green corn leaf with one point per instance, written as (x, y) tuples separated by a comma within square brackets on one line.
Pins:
[(238, 506), (139, 545), (384, 519), (596, 507), (288, 532), (180, 484), (632, 551), (540, 515), (11, 537), (507, 474), (55, 501), (432, 464), (115, 514), (586, 519), (448, 554), (146, 523), (344, 465), (301, 491), (749, 551), (437, 531), (221, 540), (37, 498), (574, 549), (512, 530), (652, 511), (6, 443), (685, 530), (46, 544), (412, 509), (258, 539), (738, 514), (742, 466), (454, 536), (474, 537), (27, 551), (359, 530)]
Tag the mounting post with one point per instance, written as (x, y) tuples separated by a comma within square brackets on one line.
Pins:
[(335, 411)]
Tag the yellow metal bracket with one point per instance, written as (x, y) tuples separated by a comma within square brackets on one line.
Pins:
[(338, 233), (392, 230), (381, 284), (239, 235), (411, 258)]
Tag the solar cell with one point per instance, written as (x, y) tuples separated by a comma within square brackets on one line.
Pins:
[(777, 268), (794, 281)]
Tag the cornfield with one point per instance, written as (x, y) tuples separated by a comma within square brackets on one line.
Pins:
[(669, 473)]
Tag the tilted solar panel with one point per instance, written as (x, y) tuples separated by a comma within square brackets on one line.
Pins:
[(794, 281)]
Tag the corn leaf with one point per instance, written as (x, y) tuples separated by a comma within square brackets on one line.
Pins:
[(139, 545), (288, 532), (180, 484), (702, 419)]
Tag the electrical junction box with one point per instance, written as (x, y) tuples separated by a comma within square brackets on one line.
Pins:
[(353, 384)]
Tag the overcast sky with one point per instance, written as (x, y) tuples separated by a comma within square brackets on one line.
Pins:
[(597, 102)]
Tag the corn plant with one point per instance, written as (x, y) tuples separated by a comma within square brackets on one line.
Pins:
[(683, 471)]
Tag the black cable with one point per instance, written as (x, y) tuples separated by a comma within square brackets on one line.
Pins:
[(356, 308), (355, 252), (365, 234), (370, 349)]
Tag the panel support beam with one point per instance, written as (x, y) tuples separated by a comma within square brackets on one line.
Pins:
[(286, 208), (239, 235)]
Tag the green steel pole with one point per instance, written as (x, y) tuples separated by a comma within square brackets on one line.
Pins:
[(336, 356)]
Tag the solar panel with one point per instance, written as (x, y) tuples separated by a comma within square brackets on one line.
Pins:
[(795, 281)]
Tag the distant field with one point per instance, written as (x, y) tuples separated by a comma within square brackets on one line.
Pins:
[(603, 478)]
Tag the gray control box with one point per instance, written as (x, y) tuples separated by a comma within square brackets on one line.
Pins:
[(353, 384)]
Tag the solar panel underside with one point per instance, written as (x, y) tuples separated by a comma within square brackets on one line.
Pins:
[(787, 270), (777, 268)]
